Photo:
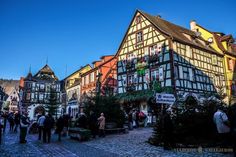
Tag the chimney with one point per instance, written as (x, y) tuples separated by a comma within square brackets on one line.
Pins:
[(193, 25)]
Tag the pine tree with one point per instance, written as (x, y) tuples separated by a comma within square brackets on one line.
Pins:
[(52, 106)]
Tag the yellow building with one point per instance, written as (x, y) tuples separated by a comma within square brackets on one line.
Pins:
[(223, 44), (73, 90)]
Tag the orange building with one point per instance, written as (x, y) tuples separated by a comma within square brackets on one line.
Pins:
[(105, 70)]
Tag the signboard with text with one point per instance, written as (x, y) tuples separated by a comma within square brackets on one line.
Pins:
[(162, 98)]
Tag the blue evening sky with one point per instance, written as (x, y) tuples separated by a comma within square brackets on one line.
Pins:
[(73, 33)]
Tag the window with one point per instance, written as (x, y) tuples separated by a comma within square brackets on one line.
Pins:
[(87, 79), (154, 75), (32, 96), (41, 86), (124, 80), (41, 96), (139, 37), (181, 72), (92, 77), (130, 80), (147, 78), (138, 19), (231, 64), (161, 74), (176, 74), (188, 52), (214, 59), (191, 74), (28, 96), (153, 50)]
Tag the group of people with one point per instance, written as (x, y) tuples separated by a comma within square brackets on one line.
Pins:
[(135, 118), (14, 120), (46, 123), (93, 123)]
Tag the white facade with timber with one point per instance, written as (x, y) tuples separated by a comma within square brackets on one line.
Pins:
[(154, 49)]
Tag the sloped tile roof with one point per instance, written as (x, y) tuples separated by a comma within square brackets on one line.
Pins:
[(177, 32)]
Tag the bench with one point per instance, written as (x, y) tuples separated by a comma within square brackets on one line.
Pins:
[(115, 130), (80, 134)]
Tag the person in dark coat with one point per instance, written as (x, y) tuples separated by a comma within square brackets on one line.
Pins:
[(17, 121), (93, 124), (24, 123), (47, 128), (137, 119), (66, 120), (59, 126), (11, 121), (130, 118), (167, 126), (5, 115), (82, 121)]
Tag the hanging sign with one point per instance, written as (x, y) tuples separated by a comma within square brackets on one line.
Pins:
[(162, 98)]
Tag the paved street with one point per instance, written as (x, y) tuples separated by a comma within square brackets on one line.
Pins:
[(129, 145)]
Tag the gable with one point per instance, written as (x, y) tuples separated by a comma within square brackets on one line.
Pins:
[(150, 35), (206, 35)]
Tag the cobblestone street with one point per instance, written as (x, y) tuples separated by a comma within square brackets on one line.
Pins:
[(130, 145)]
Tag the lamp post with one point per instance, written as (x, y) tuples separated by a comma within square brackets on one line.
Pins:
[(98, 84)]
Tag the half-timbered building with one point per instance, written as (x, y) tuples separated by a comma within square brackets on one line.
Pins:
[(223, 44), (155, 50), (37, 90)]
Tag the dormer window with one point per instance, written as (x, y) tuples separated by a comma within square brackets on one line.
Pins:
[(139, 37)]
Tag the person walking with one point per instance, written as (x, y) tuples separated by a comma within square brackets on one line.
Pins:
[(93, 124), (222, 125), (130, 119), (5, 115), (11, 121), (40, 126), (167, 127), (16, 121), (102, 122), (59, 127), (137, 118), (47, 128), (82, 121), (24, 123), (67, 120)]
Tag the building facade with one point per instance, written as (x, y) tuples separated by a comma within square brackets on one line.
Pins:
[(155, 50), (13, 100), (72, 86), (101, 78), (3, 96), (223, 44), (37, 90)]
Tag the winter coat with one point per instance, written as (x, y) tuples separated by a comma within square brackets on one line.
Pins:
[(60, 124), (101, 122), (48, 123)]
